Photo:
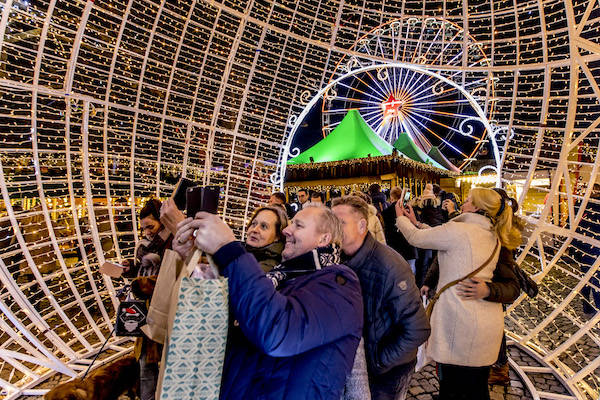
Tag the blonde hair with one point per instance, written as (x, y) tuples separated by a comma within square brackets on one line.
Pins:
[(328, 223), (490, 202)]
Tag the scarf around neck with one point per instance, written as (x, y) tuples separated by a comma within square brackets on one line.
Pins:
[(304, 264)]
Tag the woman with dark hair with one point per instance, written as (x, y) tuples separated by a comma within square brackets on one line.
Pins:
[(264, 238), (156, 238)]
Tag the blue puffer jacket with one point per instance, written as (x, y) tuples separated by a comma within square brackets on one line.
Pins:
[(297, 342), (395, 321)]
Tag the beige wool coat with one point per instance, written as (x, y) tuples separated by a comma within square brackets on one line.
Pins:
[(374, 225), (463, 332)]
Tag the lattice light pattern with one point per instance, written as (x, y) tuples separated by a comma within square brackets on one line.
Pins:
[(104, 104)]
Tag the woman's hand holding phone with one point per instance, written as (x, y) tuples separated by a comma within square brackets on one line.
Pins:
[(170, 215), (406, 211)]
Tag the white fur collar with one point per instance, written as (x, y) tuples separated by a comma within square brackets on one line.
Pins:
[(473, 218)]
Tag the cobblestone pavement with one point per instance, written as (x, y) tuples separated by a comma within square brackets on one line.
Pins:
[(425, 385)]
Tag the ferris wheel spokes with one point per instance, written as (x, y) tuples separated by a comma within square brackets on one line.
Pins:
[(424, 94), (443, 140), (411, 112)]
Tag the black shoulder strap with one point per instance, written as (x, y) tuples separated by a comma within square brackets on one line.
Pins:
[(454, 282)]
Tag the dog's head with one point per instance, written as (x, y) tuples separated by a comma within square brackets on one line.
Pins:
[(73, 390)]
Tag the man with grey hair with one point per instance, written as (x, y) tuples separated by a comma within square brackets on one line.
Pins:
[(395, 321), (299, 325)]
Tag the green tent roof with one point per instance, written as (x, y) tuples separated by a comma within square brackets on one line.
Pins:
[(406, 146), (437, 155), (352, 138)]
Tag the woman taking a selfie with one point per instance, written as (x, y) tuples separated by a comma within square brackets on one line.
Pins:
[(465, 334)]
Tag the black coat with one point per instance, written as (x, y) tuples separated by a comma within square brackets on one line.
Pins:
[(379, 201), (394, 238), (395, 323), (430, 215)]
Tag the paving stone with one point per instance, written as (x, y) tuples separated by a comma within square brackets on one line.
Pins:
[(514, 390), (424, 397), (496, 396), (516, 383), (556, 389), (497, 388), (415, 390)]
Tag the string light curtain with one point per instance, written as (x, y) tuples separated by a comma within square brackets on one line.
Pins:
[(105, 103)]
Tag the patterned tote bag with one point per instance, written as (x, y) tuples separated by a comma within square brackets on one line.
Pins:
[(195, 346)]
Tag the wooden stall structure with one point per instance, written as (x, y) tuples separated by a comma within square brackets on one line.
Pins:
[(358, 174)]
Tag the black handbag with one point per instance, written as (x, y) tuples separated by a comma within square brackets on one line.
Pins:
[(528, 285)]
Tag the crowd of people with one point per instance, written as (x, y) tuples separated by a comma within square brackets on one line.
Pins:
[(325, 297)]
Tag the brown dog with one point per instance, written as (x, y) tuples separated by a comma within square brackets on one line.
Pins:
[(105, 383)]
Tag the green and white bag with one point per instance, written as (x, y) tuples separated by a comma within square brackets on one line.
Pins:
[(194, 351)]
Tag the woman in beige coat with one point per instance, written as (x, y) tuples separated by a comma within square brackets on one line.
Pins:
[(465, 334)]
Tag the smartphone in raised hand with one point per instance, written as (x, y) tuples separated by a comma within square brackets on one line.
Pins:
[(210, 201), (202, 198), (180, 192)]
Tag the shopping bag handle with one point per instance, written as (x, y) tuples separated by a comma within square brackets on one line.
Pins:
[(194, 258)]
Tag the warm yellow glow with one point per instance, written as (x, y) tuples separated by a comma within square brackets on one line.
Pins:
[(476, 179), (536, 182)]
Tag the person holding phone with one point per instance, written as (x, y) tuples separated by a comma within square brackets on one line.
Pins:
[(298, 326), (465, 334), (155, 239), (157, 222), (428, 211), (503, 288)]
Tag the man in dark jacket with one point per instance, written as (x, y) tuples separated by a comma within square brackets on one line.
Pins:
[(298, 327), (394, 238), (395, 321)]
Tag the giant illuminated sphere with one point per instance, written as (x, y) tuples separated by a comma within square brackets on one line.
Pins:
[(105, 103)]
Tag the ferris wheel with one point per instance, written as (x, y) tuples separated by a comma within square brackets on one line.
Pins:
[(435, 109)]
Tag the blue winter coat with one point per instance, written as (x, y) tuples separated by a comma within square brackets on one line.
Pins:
[(297, 342), (395, 321)]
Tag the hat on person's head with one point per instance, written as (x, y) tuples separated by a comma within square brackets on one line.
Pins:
[(428, 192)]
